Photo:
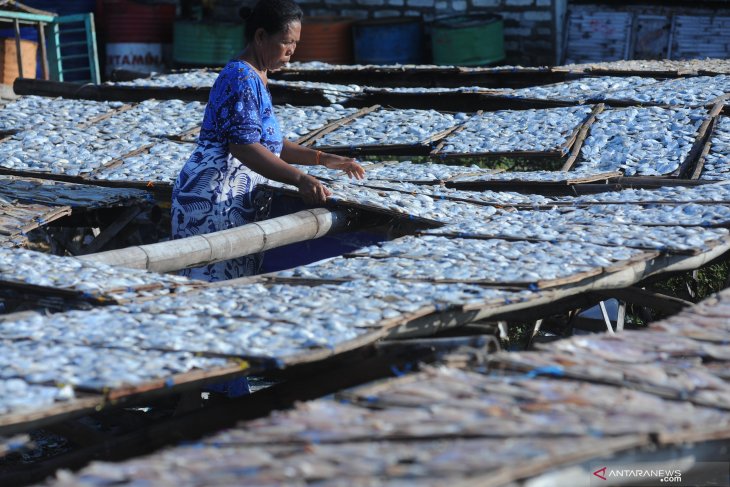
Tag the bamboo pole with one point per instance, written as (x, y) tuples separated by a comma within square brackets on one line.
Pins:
[(227, 244)]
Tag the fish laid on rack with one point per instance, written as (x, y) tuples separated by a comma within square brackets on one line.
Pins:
[(436, 90), (685, 66), (707, 193), (68, 151), (431, 428), (26, 267), (400, 171), (391, 127), (160, 164), (276, 321), (188, 79), (717, 161), (694, 91), (155, 118), (19, 396), (439, 193), (38, 363), (683, 378), (439, 259), (688, 215), (484, 175), (334, 93), (393, 463), (595, 225), (421, 205), (539, 130), (29, 112), (582, 89), (647, 141), (706, 321), (296, 122), (435, 203)]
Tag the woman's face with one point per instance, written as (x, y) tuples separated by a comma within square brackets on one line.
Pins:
[(276, 49)]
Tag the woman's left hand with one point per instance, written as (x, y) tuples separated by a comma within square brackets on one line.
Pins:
[(345, 164)]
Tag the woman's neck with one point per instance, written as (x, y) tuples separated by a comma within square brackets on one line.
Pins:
[(252, 59)]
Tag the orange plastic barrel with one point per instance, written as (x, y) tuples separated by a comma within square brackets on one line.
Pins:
[(327, 39)]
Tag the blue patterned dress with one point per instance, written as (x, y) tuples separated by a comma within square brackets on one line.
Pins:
[(215, 191)]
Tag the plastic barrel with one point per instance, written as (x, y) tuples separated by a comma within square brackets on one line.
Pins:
[(29, 34), (327, 39), (388, 40), (472, 40), (138, 36), (62, 7), (206, 43), (9, 60)]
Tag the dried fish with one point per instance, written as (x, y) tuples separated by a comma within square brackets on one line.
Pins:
[(88, 367), (84, 277), (68, 151), (595, 225), (252, 321), (434, 259), (582, 89), (400, 171), (685, 66), (717, 161), (334, 93), (188, 79), (516, 130), (155, 118), (649, 141), (18, 396), (691, 92), (535, 176), (296, 122), (161, 164), (388, 127), (708, 193), (29, 112)]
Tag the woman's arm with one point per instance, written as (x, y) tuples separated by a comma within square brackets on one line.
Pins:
[(261, 160), (296, 154)]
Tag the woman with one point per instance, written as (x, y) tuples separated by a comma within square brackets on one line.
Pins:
[(240, 144)]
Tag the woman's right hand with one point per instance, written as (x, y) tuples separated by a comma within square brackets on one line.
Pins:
[(311, 190)]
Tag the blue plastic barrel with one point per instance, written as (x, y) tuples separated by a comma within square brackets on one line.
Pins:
[(389, 40), (62, 7)]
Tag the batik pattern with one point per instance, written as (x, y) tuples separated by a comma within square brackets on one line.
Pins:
[(215, 191)]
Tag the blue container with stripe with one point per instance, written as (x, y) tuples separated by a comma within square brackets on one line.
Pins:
[(389, 40), (73, 47), (62, 7)]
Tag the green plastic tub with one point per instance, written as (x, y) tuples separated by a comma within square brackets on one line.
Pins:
[(206, 43), (473, 40)]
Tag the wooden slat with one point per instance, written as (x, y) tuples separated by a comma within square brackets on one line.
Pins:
[(581, 137), (437, 150), (702, 139), (312, 137), (105, 116)]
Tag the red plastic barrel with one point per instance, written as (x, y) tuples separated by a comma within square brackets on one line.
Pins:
[(138, 36), (327, 39)]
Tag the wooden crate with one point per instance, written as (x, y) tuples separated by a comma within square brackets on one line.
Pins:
[(9, 59)]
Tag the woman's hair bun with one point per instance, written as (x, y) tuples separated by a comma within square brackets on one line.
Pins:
[(245, 12)]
